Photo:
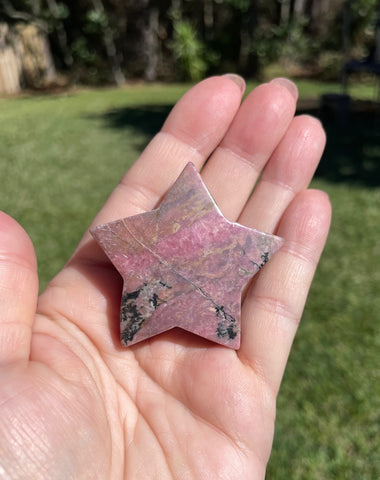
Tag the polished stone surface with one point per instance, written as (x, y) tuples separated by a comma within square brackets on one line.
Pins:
[(184, 265)]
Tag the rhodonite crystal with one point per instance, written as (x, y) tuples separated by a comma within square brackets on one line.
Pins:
[(184, 265)]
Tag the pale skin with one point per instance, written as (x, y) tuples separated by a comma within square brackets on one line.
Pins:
[(76, 405)]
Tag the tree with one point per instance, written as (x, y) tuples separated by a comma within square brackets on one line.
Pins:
[(100, 40), (33, 48), (59, 12), (99, 15)]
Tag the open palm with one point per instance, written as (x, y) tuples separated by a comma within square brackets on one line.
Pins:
[(74, 404)]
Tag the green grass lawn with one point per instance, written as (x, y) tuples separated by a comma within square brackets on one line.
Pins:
[(62, 155)]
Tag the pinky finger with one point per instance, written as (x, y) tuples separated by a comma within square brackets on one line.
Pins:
[(274, 305), (18, 291)]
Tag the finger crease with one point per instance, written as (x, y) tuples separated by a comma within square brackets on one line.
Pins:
[(276, 307), (191, 148), (142, 192), (278, 183), (300, 252), (242, 157), (12, 261)]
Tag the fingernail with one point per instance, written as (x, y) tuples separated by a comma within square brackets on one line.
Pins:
[(237, 79), (288, 84)]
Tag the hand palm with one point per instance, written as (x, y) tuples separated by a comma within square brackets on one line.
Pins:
[(77, 405)]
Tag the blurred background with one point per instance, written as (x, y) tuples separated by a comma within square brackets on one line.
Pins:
[(85, 84), (50, 42)]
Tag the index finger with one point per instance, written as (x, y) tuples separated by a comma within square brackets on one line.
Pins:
[(191, 132)]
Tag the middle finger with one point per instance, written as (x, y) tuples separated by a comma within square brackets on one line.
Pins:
[(259, 125)]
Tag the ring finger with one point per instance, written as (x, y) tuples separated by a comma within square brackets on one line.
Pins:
[(261, 122)]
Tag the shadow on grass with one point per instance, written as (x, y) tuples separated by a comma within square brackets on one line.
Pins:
[(146, 119), (352, 153)]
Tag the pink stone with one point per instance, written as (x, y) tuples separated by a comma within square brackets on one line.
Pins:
[(184, 265)]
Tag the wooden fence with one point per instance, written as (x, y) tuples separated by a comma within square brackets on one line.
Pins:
[(25, 58)]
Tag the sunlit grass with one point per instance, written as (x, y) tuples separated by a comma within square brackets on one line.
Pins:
[(329, 405)]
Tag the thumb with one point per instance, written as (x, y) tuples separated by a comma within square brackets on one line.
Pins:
[(18, 291)]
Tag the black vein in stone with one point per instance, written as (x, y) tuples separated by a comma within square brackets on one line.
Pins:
[(264, 258)]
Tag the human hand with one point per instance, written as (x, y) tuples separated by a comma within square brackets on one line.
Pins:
[(76, 405)]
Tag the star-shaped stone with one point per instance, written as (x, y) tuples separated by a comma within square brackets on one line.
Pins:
[(184, 265)]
